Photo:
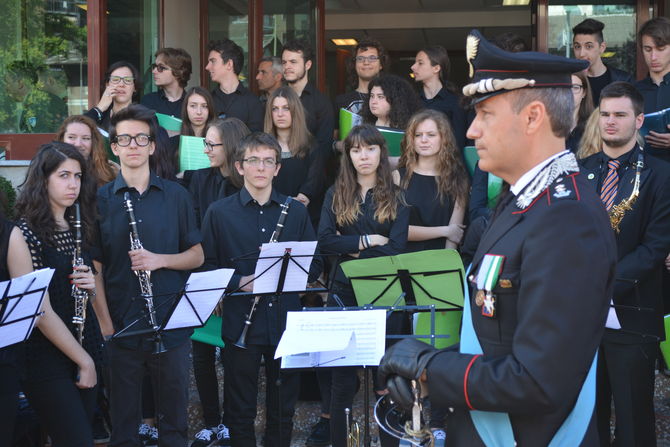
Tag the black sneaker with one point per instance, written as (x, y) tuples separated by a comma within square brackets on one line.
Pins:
[(100, 432), (320, 434), (148, 435), (223, 435), (205, 437)]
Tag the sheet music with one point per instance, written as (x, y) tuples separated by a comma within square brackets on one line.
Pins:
[(333, 338), (17, 316), (296, 278), (612, 319), (203, 299)]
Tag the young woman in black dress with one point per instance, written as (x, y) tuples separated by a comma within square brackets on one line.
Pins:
[(59, 377), (435, 182), (363, 216), (301, 174)]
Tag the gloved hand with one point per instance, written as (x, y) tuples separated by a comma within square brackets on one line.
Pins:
[(403, 362)]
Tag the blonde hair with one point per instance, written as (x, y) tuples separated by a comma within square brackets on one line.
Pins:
[(591, 141)]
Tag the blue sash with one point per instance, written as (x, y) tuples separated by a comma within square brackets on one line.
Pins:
[(495, 429)]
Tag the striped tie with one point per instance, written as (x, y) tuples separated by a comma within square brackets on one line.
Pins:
[(611, 184)]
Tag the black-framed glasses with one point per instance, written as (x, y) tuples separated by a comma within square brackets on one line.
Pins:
[(370, 59), (255, 161), (209, 146), (141, 139), (159, 68), (128, 80), (577, 88)]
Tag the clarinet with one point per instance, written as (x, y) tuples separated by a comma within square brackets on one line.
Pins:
[(144, 276), (242, 339), (80, 295)]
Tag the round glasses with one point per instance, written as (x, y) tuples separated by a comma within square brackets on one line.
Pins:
[(141, 139), (128, 80)]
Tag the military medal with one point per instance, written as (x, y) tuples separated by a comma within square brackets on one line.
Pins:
[(487, 279)]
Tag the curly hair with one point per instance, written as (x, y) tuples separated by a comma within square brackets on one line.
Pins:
[(400, 95), (452, 179), (300, 141), (98, 159), (386, 195), (364, 45), (33, 204)]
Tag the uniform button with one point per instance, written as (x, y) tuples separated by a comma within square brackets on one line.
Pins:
[(263, 230), (261, 211), (139, 220), (269, 304)]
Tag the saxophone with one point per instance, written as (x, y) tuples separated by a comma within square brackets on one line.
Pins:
[(80, 295), (618, 211), (143, 276)]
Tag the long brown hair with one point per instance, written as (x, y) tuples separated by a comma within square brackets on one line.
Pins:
[(586, 106), (102, 171), (186, 127), (33, 203), (452, 179), (300, 141), (231, 131), (386, 195)]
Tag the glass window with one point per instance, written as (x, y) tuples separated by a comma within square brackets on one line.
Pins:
[(42, 64), (230, 19), (619, 31), (289, 19), (132, 36)]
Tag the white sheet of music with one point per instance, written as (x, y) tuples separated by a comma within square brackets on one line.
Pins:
[(18, 313), (204, 290), (268, 266), (333, 338)]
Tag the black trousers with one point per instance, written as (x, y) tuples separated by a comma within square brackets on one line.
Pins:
[(65, 411), (9, 401), (240, 388), (626, 374), (169, 375), (204, 370)]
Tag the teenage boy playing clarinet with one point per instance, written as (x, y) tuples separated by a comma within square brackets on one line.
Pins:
[(171, 248), (233, 230)]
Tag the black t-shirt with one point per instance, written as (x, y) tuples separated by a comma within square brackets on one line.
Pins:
[(598, 83), (159, 103), (351, 101), (241, 104)]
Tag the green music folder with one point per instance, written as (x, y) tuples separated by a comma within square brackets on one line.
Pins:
[(393, 139), (192, 153), (169, 122), (347, 121)]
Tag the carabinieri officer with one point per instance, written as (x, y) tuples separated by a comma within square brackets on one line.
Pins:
[(540, 281)]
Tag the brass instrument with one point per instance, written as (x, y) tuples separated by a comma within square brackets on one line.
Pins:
[(80, 296), (143, 276), (618, 211), (353, 430), (242, 339)]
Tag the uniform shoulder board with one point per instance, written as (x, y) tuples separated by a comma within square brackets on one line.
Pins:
[(563, 188)]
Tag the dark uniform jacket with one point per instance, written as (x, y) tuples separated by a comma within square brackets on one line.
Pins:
[(551, 305), (642, 243)]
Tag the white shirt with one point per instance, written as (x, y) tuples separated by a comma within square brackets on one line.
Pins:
[(525, 179)]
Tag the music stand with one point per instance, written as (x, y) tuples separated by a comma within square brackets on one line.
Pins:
[(283, 258), (20, 305)]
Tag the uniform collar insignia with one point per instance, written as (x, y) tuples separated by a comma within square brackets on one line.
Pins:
[(564, 164)]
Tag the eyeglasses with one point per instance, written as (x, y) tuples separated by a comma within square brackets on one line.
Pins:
[(141, 139), (159, 68), (255, 161), (210, 146), (117, 79), (366, 58), (577, 88)]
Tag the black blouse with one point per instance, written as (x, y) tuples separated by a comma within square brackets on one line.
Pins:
[(347, 240), (206, 186), (426, 209), (300, 175), (42, 358)]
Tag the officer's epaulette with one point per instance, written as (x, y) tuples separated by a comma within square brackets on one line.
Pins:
[(563, 188)]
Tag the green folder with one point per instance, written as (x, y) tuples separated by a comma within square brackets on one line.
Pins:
[(446, 323), (471, 158), (169, 122), (665, 345), (192, 153), (436, 278), (393, 139), (347, 121), (494, 182), (210, 333)]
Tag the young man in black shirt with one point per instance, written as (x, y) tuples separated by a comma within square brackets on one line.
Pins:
[(589, 45), (231, 98), (171, 247), (171, 72), (234, 228)]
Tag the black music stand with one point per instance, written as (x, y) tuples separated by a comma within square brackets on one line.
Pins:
[(284, 260), (20, 305)]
